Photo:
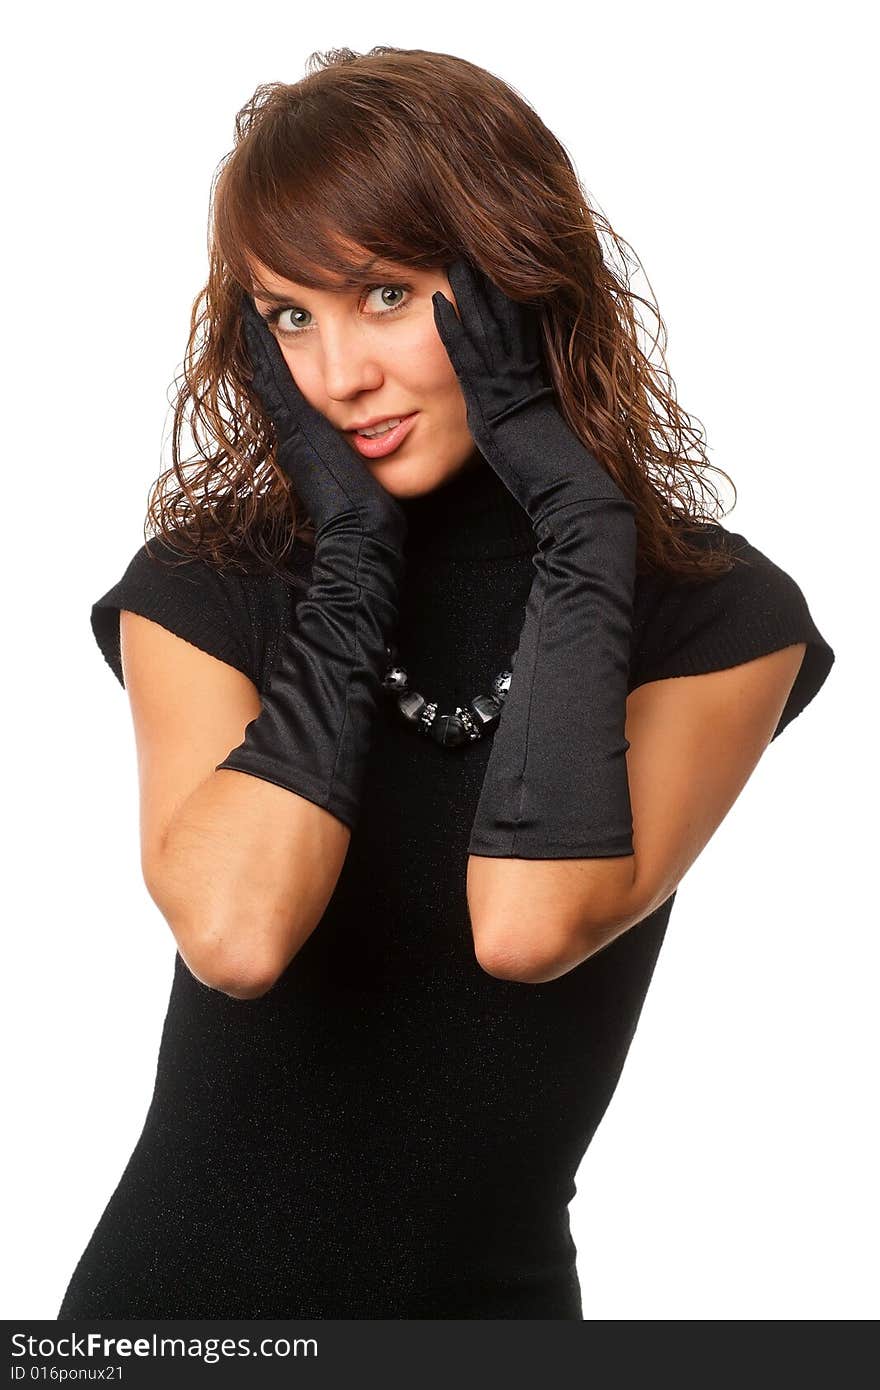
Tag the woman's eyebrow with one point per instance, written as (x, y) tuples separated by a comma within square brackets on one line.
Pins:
[(272, 298), (370, 275)]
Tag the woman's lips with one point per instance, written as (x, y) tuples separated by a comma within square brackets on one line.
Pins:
[(386, 443)]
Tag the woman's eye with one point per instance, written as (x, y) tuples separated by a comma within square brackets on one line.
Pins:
[(299, 322), (296, 320), (382, 302)]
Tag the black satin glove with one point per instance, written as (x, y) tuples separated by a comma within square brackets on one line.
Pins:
[(556, 783), (315, 729)]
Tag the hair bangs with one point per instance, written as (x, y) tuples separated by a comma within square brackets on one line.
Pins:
[(329, 216)]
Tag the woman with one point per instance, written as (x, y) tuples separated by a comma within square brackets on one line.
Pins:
[(417, 785)]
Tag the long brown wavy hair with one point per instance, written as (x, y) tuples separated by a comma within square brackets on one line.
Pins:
[(420, 157)]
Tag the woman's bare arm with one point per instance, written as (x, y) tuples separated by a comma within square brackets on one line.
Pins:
[(241, 869)]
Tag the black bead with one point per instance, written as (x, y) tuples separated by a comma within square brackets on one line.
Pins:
[(395, 679), (485, 710), (411, 705), (448, 730), (501, 685)]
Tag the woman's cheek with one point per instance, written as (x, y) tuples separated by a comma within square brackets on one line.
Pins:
[(429, 352), (308, 381)]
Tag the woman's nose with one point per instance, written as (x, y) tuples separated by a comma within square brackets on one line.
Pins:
[(350, 365)]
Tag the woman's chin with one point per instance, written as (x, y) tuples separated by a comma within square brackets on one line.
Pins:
[(411, 477)]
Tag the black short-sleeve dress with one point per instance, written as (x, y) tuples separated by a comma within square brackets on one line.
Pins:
[(390, 1132)]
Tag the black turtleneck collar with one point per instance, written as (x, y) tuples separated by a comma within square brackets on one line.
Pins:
[(472, 516)]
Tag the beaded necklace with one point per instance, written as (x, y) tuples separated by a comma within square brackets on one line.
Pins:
[(471, 516), (469, 722)]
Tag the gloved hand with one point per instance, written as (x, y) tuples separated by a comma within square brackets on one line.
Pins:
[(556, 783), (315, 728)]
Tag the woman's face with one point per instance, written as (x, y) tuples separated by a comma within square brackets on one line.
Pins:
[(374, 354)]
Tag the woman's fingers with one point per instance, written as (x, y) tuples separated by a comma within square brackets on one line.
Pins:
[(459, 345), (529, 329), (272, 376), (503, 311), (474, 308)]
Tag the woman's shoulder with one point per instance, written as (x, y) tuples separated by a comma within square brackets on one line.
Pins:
[(233, 611), (690, 626)]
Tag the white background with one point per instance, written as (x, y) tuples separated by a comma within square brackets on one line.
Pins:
[(734, 1175)]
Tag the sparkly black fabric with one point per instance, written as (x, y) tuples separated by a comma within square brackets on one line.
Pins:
[(390, 1132)]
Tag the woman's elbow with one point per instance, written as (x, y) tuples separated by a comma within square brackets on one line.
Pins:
[(253, 988), (231, 955), (230, 962)]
